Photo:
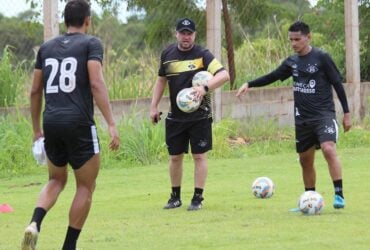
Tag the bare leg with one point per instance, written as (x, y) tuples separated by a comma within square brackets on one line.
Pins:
[(85, 186), (200, 170), (47, 198), (175, 169), (329, 151), (57, 180), (306, 160)]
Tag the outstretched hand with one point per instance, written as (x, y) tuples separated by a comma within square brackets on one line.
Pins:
[(242, 90)]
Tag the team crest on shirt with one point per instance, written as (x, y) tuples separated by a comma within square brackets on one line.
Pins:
[(312, 68), (312, 83), (329, 130), (191, 65)]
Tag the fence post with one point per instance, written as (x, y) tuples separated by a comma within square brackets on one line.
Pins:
[(51, 19), (353, 55), (214, 45)]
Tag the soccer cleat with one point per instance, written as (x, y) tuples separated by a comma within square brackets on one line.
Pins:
[(196, 203), (173, 202), (338, 202), (30, 237)]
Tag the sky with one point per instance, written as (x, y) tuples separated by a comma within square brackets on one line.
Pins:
[(11, 8)]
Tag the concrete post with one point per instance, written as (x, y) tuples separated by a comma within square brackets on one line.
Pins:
[(214, 45), (353, 55), (51, 19)]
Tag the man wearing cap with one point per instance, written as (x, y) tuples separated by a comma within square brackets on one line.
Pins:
[(179, 63)]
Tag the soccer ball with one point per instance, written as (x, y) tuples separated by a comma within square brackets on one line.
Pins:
[(186, 100), (263, 187), (311, 203), (201, 78)]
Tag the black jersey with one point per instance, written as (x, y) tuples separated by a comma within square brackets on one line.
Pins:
[(314, 75), (179, 67), (63, 61)]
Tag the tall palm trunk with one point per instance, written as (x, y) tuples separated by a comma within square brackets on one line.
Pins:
[(229, 43)]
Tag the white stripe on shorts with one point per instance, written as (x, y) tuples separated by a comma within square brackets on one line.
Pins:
[(94, 136), (336, 130)]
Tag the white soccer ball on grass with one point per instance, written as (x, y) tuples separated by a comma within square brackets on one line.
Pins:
[(311, 203), (263, 187)]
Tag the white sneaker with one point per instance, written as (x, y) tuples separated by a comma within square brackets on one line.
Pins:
[(30, 237)]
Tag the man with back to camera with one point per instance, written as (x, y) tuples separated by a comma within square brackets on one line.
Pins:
[(314, 74), (179, 63), (68, 70)]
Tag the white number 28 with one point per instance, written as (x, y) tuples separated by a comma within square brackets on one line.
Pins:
[(67, 70)]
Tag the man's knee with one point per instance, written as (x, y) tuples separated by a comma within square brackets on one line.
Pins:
[(328, 149)]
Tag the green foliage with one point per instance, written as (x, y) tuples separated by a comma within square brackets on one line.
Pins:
[(364, 17), (142, 143), (132, 78), (222, 145), (21, 35), (263, 54), (161, 16), (15, 142), (12, 79)]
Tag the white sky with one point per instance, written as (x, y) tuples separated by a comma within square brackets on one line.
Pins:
[(11, 8), (14, 7)]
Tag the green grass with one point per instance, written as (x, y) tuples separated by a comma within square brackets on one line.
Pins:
[(127, 210)]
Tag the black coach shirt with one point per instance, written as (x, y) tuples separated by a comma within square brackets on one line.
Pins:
[(314, 75), (179, 67), (63, 61)]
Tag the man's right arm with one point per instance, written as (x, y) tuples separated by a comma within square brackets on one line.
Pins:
[(36, 103), (158, 90)]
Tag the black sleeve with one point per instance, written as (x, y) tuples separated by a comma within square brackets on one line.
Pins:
[(161, 70), (95, 51), (342, 96), (38, 64), (335, 79), (281, 73)]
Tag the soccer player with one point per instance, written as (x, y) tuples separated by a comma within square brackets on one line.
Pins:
[(179, 63), (314, 74), (68, 71)]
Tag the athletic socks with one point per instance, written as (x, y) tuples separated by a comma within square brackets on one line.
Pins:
[(338, 187), (176, 191), (198, 192), (310, 189), (38, 215), (71, 239)]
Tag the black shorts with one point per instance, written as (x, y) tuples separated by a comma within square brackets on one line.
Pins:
[(179, 134), (314, 133), (70, 143)]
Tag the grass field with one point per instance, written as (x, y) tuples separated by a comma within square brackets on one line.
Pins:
[(127, 210)]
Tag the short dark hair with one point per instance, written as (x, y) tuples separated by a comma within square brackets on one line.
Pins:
[(75, 12), (300, 26)]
